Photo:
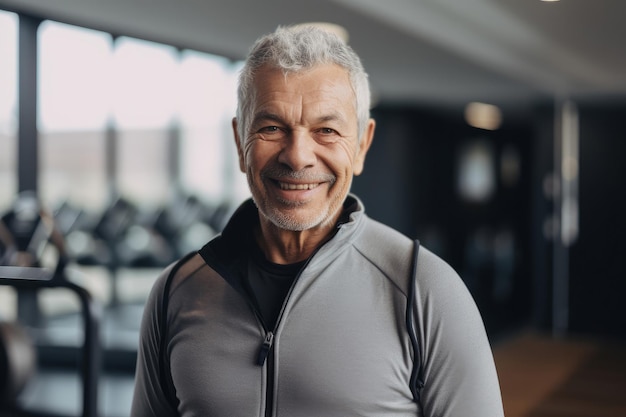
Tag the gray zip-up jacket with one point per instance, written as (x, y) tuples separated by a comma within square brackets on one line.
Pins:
[(341, 346)]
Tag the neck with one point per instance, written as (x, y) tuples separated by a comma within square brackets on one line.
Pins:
[(282, 246)]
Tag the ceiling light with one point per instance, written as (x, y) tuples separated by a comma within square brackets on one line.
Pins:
[(547, 1), (483, 116)]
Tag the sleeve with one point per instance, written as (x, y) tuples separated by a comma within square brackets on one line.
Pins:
[(149, 397), (458, 369)]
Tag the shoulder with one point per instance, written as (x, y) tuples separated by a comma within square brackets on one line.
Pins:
[(393, 252), (183, 270), (171, 277), (437, 278), (389, 250), (432, 267)]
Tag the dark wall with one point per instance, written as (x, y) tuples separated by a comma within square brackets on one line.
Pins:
[(598, 258), (542, 207), (595, 263), (387, 184), (410, 183)]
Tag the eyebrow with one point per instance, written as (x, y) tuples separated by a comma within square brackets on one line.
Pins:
[(331, 118), (265, 115)]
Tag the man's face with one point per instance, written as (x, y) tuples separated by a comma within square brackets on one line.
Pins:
[(302, 148)]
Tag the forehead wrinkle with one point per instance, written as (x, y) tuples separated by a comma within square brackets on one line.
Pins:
[(331, 117), (300, 112), (266, 115)]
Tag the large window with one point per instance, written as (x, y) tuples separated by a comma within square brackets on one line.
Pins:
[(137, 118), (74, 107), (207, 105), (8, 108), (144, 102), (123, 117)]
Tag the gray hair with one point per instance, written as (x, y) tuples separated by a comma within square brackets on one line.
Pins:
[(298, 48)]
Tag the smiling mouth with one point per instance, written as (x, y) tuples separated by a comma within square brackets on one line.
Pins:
[(291, 186)]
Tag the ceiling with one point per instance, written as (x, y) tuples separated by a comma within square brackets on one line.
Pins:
[(435, 52)]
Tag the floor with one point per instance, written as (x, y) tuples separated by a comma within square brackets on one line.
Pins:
[(541, 376)]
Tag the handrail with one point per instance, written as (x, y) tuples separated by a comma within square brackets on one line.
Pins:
[(35, 278)]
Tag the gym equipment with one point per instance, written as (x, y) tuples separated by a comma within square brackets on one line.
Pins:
[(94, 244), (32, 235), (17, 362), (8, 249), (33, 241), (184, 224), (32, 278), (36, 259)]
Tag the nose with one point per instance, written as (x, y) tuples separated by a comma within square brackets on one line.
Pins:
[(298, 151)]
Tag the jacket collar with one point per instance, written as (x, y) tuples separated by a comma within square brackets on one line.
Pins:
[(240, 227), (228, 253)]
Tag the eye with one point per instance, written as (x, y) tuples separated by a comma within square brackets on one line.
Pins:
[(271, 133), (328, 131), (327, 135), (269, 129)]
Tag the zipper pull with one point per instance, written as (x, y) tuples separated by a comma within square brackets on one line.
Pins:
[(265, 349)]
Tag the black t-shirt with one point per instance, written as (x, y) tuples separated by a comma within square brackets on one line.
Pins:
[(269, 284)]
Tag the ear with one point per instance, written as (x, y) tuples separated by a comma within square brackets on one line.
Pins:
[(363, 147), (242, 162)]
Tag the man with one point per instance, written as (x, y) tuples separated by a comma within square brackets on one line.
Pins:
[(304, 306)]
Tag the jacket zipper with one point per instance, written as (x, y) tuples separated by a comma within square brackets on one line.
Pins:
[(265, 348), (266, 353)]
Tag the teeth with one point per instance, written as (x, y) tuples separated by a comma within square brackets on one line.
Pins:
[(286, 186)]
